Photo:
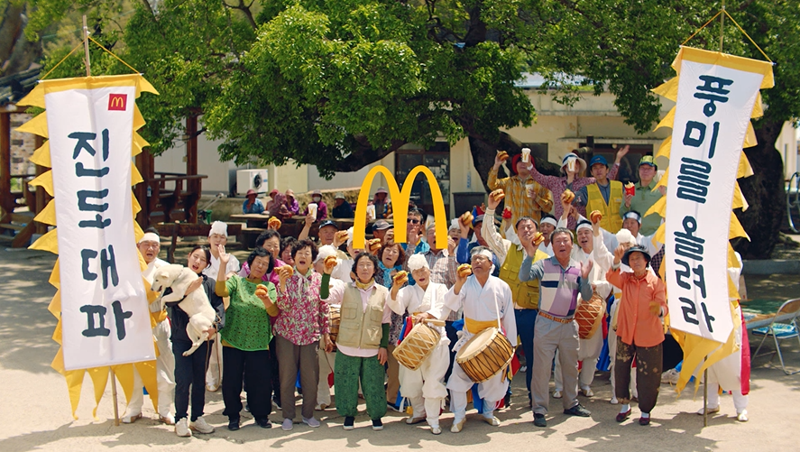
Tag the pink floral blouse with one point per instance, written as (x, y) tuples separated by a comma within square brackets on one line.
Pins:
[(303, 317)]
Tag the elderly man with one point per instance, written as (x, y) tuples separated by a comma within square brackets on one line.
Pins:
[(414, 227), (486, 301), (379, 230), (423, 387), (521, 201), (645, 196), (341, 208), (640, 331), (149, 246), (562, 279), (525, 294)]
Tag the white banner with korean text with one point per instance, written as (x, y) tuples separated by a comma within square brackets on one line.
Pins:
[(712, 115), (104, 312)]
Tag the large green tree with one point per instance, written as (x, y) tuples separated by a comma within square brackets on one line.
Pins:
[(343, 83)]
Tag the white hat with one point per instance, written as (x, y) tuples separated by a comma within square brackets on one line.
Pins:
[(325, 251), (149, 237), (624, 236), (417, 261), (218, 227)]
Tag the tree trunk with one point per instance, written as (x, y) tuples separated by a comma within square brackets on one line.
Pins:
[(765, 193), (484, 151)]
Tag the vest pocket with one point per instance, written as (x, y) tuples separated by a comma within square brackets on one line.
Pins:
[(376, 313), (349, 313)]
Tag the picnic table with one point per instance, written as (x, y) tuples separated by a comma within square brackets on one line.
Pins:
[(256, 223)]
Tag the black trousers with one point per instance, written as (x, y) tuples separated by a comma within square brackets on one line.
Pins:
[(452, 334), (254, 368), (190, 372)]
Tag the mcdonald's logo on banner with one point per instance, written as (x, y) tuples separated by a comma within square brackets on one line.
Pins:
[(400, 201), (117, 102)]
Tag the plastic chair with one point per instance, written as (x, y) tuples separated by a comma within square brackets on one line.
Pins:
[(782, 327)]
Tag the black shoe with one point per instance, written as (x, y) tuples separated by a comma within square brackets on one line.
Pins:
[(233, 424), (348, 422), (578, 410), (377, 424), (263, 422), (539, 420)]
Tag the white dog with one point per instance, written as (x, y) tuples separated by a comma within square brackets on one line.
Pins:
[(195, 305)]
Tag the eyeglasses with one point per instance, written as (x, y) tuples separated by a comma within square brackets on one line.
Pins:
[(412, 220)]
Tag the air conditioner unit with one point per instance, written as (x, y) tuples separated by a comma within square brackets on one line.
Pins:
[(251, 178)]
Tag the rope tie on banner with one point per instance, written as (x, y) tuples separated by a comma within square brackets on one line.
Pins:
[(737, 26), (99, 45)]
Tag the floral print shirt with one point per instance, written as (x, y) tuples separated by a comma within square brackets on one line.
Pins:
[(303, 316)]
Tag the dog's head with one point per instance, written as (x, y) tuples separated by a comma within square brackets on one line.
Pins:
[(165, 276)]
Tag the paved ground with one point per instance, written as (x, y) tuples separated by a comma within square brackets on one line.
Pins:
[(36, 415)]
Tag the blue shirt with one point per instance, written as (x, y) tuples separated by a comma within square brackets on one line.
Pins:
[(256, 207)]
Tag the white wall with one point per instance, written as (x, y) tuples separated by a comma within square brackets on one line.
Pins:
[(786, 144)]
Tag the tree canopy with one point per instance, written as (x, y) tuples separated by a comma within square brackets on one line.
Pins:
[(342, 83)]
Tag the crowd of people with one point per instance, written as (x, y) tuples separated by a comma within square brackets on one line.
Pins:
[(570, 271)]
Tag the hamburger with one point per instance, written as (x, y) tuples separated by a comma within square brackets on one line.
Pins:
[(274, 223), (538, 238), (502, 155), (466, 218), (595, 216), (286, 271), (330, 261), (400, 277), (373, 245), (497, 195), (464, 270), (567, 196), (341, 236), (261, 290)]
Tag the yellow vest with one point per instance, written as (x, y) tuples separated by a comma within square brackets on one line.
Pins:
[(611, 221), (361, 328), (524, 294)]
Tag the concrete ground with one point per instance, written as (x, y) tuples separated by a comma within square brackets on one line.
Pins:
[(35, 412)]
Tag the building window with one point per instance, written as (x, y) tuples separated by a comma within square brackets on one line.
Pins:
[(437, 159)]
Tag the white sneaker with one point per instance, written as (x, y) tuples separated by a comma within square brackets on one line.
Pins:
[(182, 428), (131, 418), (201, 426), (711, 410), (287, 424), (557, 394), (311, 422), (742, 417)]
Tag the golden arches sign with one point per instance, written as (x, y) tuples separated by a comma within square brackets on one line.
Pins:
[(400, 201)]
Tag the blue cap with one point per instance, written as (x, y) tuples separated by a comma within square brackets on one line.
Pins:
[(598, 159), (329, 223)]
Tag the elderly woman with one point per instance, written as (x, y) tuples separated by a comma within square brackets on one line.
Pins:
[(300, 329), (362, 341), (246, 337), (391, 258), (423, 387)]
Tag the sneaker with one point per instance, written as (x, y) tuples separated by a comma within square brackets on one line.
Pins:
[(263, 422), (182, 428), (348, 422), (710, 410), (131, 418), (578, 410), (169, 419), (393, 407), (377, 424), (587, 392), (311, 422), (742, 417), (539, 420), (493, 421), (287, 424), (614, 401), (415, 420), (523, 369), (458, 426), (200, 426), (233, 424), (436, 430), (557, 394)]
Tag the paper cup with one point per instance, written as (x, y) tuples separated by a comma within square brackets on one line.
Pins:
[(526, 155), (529, 190), (571, 165), (312, 209), (371, 211)]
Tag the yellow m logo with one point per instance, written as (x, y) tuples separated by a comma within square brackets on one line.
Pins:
[(400, 206)]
